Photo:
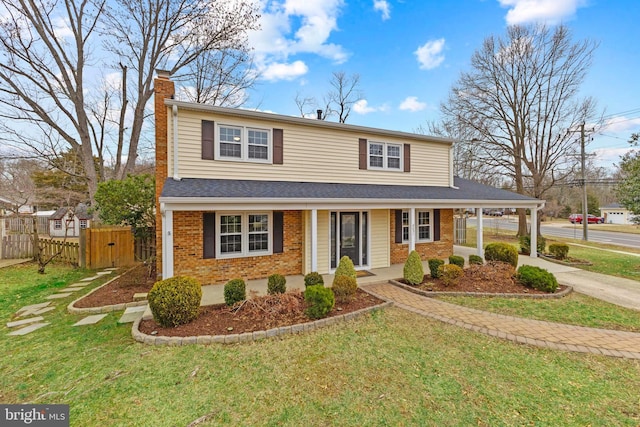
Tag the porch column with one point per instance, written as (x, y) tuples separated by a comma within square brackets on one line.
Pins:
[(479, 242), (167, 244), (314, 240), (534, 232), (412, 229)]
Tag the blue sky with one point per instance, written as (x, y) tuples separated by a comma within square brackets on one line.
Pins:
[(409, 53)]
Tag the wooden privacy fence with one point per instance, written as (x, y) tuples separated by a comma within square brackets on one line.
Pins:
[(106, 247), (16, 246)]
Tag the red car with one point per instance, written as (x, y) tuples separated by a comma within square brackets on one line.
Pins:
[(592, 219)]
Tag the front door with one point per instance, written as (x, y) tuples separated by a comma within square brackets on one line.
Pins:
[(350, 236)]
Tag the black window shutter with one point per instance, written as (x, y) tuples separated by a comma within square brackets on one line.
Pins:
[(209, 237), (398, 226), (208, 139), (362, 151), (436, 225), (407, 157), (278, 146), (278, 232)]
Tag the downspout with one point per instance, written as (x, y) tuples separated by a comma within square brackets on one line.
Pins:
[(451, 179), (176, 176)]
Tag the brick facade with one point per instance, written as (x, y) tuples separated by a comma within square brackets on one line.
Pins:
[(163, 89), (188, 250), (440, 249)]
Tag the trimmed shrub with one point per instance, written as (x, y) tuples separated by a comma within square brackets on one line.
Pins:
[(475, 260), (525, 244), (313, 278), (344, 288), (450, 273), (502, 252), (320, 301), (434, 265), (537, 278), (175, 301), (456, 260), (345, 268), (276, 284), (235, 291), (413, 272), (559, 250)]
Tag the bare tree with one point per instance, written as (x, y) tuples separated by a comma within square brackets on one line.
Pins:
[(345, 93), (50, 59), (222, 77), (520, 98), (338, 101)]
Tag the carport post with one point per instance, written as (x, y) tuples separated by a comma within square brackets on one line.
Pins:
[(479, 243)]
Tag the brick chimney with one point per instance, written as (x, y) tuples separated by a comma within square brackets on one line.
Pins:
[(163, 89)]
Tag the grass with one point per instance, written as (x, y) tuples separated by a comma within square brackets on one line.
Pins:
[(389, 368), (600, 255), (574, 309)]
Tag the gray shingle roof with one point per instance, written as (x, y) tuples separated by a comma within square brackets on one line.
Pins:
[(221, 188)]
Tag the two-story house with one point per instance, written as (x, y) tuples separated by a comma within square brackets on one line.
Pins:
[(247, 194)]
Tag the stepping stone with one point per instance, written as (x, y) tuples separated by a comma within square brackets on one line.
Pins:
[(58, 296), (43, 310), (27, 329), (70, 289), (78, 285), (102, 273), (24, 321), (140, 296), (131, 314), (88, 279), (110, 269), (90, 320), (34, 306)]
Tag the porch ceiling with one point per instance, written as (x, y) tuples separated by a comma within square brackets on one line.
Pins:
[(193, 193)]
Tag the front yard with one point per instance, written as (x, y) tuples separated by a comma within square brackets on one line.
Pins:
[(389, 368)]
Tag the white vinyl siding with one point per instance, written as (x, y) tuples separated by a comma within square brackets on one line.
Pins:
[(310, 154)]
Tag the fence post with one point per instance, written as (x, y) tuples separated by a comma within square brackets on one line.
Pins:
[(82, 248)]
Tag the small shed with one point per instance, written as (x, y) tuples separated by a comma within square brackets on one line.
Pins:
[(68, 222)]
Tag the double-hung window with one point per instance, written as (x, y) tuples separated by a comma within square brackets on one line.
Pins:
[(383, 155), (243, 143), (57, 224), (244, 234), (423, 226)]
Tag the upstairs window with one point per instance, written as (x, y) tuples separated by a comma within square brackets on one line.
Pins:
[(384, 155), (243, 144)]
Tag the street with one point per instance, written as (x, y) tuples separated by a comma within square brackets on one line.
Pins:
[(568, 230)]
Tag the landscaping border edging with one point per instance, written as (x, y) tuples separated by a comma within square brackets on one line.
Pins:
[(250, 336), (105, 308), (560, 294)]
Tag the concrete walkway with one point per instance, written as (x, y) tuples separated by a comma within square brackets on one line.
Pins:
[(555, 336)]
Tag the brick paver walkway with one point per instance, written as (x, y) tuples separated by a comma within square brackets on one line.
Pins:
[(551, 335)]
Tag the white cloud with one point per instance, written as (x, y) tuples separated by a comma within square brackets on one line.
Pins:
[(412, 104), (430, 54), (61, 29), (621, 124), (609, 156), (383, 7), (363, 107), (550, 11), (296, 27), (284, 71)]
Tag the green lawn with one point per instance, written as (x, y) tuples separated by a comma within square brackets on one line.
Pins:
[(603, 261), (389, 368)]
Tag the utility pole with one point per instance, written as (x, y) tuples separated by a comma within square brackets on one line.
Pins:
[(585, 209)]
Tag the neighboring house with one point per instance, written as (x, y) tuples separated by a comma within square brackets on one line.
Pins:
[(8, 207), (616, 214), (247, 194), (68, 222)]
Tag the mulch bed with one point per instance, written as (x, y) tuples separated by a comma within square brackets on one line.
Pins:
[(267, 313), (495, 278), (121, 290)]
